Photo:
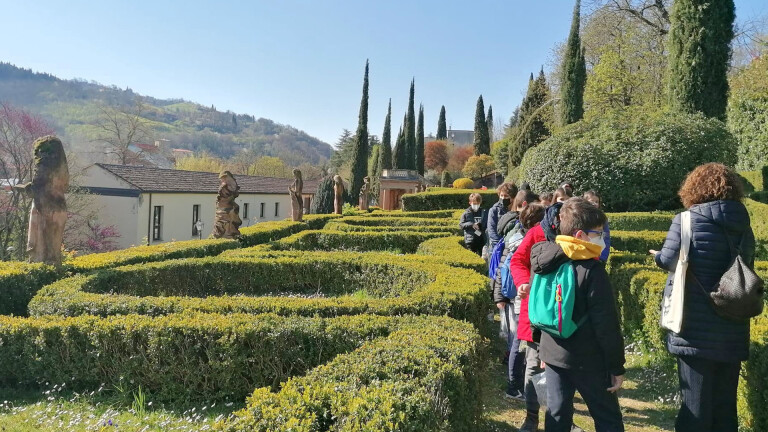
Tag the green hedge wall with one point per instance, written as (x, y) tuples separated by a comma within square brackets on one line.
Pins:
[(19, 282), (344, 227), (637, 241), (451, 251), (398, 221), (640, 221), (428, 214), (145, 254), (446, 199), (230, 355), (401, 241), (371, 283), (421, 378)]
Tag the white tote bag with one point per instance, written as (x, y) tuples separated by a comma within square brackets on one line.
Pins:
[(672, 304)]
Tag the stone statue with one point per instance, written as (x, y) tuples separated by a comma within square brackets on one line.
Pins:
[(365, 191), (227, 219), (48, 214), (297, 201), (338, 194)]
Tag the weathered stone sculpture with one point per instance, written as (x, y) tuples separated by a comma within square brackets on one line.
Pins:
[(227, 219), (48, 215), (338, 194), (297, 201), (365, 191)]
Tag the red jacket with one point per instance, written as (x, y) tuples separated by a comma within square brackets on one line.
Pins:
[(520, 267)]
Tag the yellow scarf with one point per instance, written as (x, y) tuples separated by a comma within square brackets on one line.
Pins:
[(577, 249)]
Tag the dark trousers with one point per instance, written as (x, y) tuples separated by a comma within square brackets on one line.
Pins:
[(708, 389), (476, 247), (592, 385), (516, 365)]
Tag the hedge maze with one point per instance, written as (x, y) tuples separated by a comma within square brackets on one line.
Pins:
[(374, 322)]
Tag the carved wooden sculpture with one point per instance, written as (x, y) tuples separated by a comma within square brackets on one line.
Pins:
[(297, 201), (365, 191), (48, 215), (338, 194), (227, 219)]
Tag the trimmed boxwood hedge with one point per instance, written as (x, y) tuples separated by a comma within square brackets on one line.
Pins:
[(370, 283), (403, 241), (230, 355), (19, 282), (447, 199), (637, 241), (398, 221), (451, 251), (640, 221), (428, 214), (144, 254), (421, 378), (344, 227)]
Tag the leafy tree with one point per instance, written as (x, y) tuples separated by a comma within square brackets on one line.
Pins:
[(410, 131), (270, 166), (500, 154), (699, 55), (310, 172), (442, 131), (489, 122), (458, 158), (120, 129), (535, 116), (482, 140), (420, 141), (748, 114), (478, 166), (445, 180), (385, 153), (574, 74), (360, 150), (204, 162), (323, 200), (436, 155)]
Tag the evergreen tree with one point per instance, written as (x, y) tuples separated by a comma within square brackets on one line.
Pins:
[(343, 151), (398, 155), (482, 140), (699, 44), (385, 152), (420, 141), (574, 74), (410, 131), (445, 180), (322, 203), (374, 170), (442, 131), (360, 150), (533, 119), (234, 121), (489, 122)]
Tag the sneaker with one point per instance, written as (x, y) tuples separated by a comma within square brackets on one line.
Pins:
[(514, 394), (529, 426)]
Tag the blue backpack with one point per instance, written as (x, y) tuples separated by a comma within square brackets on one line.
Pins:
[(508, 288), (495, 259)]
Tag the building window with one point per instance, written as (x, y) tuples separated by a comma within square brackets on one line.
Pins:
[(245, 210), (157, 222), (277, 209), (261, 211), (195, 218)]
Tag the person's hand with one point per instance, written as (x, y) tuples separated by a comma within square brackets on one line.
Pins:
[(543, 365), (524, 289), (653, 251), (500, 305), (617, 382), (476, 226)]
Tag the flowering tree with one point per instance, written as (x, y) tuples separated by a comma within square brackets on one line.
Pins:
[(18, 131), (94, 238)]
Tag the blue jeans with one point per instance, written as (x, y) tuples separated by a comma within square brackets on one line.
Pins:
[(709, 395), (592, 385), (516, 359)]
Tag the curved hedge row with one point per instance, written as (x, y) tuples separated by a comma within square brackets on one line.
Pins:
[(426, 214), (370, 283), (451, 251), (397, 221), (344, 227), (19, 282), (446, 199), (403, 241), (640, 221)]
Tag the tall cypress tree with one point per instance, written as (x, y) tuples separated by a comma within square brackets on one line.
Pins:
[(410, 131), (532, 121), (385, 153), (360, 151), (398, 155), (420, 141), (699, 46), (442, 131), (482, 140), (489, 122), (574, 74)]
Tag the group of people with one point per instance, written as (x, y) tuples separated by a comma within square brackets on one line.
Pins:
[(559, 314)]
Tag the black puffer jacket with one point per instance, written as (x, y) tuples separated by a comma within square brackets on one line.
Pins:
[(704, 334), (466, 222)]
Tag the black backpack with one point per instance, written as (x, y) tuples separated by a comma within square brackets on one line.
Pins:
[(739, 294)]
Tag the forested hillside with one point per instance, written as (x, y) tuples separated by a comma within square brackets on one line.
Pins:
[(75, 108)]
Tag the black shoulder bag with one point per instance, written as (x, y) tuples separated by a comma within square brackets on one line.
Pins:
[(739, 294)]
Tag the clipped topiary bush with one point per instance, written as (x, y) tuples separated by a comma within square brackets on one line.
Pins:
[(463, 183), (19, 282), (637, 159), (447, 199)]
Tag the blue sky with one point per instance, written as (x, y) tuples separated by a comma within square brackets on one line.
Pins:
[(300, 62)]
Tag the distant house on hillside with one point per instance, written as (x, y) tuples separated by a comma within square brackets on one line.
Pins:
[(151, 205), (158, 155), (461, 138)]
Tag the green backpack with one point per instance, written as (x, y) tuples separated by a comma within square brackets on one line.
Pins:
[(550, 305)]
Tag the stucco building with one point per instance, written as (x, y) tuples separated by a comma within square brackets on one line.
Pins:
[(153, 205)]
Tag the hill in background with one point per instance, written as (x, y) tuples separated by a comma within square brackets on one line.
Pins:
[(73, 107)]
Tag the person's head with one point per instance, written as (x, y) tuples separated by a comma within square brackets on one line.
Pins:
[(506, 192), (522, 199), (579, 218), (593, 197), (475, 199), (546, 199), (525, 186), (560, 195), (567, 188), (532, 214), (711, 182)]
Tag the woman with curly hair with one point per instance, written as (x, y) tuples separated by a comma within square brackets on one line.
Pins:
[(709, 348)]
